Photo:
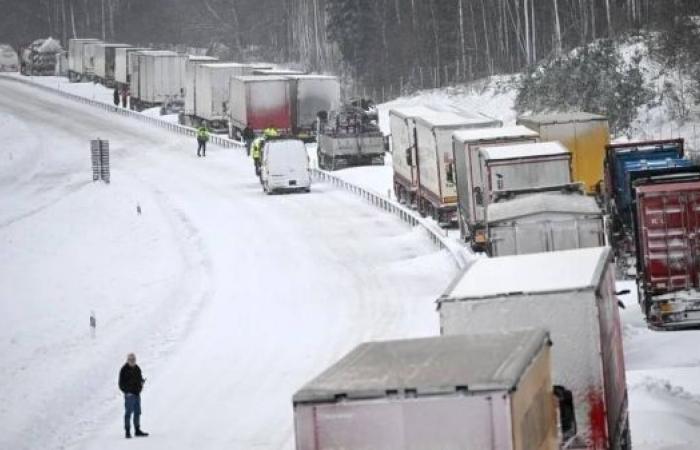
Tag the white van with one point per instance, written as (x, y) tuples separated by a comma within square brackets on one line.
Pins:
[(285, 166)]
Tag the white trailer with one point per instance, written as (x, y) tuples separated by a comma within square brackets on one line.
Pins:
[(544, 222), (122, 64), (402, 125), (90, 54), (105, 62), (437, 190), (465, 147), (260, 101), (76, 58), (191, 85), (158, 78), (277, 72), (469, 392), (212, 93), (571, 294), (9, 60), (313, 94)]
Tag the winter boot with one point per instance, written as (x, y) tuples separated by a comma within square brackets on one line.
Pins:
[(140, 433), (128, 434)]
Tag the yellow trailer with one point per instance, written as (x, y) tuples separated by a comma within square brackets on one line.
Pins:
[(584, 134)]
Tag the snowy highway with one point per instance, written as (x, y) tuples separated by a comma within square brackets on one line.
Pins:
[(231, 299)]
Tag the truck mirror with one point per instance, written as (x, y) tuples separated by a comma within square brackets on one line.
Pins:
[(567, 414), (409, 156)]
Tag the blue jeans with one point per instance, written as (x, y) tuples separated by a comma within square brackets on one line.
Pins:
[(132, 405)]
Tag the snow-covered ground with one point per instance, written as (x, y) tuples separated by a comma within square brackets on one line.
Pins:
[(230, 298)]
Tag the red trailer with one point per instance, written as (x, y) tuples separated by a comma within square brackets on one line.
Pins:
[(260, 101), (667, 225)]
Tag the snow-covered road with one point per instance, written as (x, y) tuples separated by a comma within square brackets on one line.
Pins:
[(230, 298)]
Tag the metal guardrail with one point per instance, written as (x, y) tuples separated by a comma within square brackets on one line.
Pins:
[(406, 215)]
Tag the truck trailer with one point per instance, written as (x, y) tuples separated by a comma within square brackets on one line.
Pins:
[(544, 222), (402, 125), (157, 79), (437, 188), (260, 101), (584, 134), (469, 392), (667, 230), (313, 95), (90, 55), (190, 111), (211, 93), (571, 294), (465, 147), (76, 58), (123, 65), (105, 62)]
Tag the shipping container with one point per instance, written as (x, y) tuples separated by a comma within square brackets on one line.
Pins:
[(105, 62), (584, 134), (469, 392), (158, 78), (260, 102), (212, 92), (437, 189), (667, 226), (76, 59), (313, 94), (571, 294), (465, 147), (402, 125), (544, 222), (191, 85), (122, 64)]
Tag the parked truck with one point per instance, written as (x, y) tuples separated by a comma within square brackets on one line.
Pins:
[(105, 55), (584, 134), (9, 60), (667, 225), (402, 124), (313, 96), (465, 147), (123, 65), (470, 392), (76, 60), (90, 55), (190, 110), (349, 137), (437, 188), (544, 221), (260, 101), (211, 93), (571, 294), (157, 79), (40, 58), (513, 170)]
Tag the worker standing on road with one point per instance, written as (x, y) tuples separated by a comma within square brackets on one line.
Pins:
[(202, 139), (125, 96), (256, 151), (131, 383), (116, 97), (248, 138)]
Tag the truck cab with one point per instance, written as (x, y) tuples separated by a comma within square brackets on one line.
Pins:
[(285, 166)]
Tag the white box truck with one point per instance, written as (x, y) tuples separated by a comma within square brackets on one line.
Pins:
[(571, 294), (468, 392), (285, 166), (191, 86), (544, 222), (465, 147), (402, 125), (122, 65), (105, 62), (76, 60), (158, 79), (437, 190), (260, 101), (212, 84), (313, 95)]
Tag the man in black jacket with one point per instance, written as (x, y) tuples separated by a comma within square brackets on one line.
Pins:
[(131, 383)]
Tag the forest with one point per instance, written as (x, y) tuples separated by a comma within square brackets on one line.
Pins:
[(385, 46)]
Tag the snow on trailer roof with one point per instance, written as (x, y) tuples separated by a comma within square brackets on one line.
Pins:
[(428, 366), (158, 53), (486, 134), (224, 65), (262, 78), (539, 203), (501, 152), (311, 76), (202, 58), (557, 118), (411, 112), (529, 274), (447, 119), (109, 44)]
